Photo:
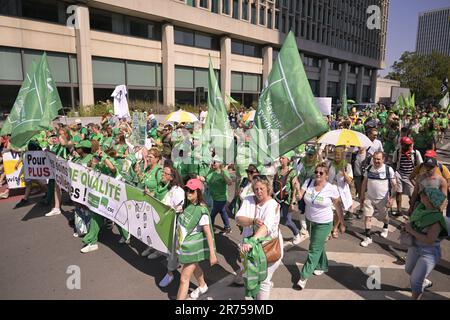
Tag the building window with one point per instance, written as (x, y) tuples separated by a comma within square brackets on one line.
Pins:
[(196, 39), (190, 3), (254, 17), (215, 6), (235, 9), (245, 88), (262, 15), (187, 82), (111, 22), (333, 90), (46, 10), (283, 23), (269, 18), (315, 87), (10, 64), (246, 49), (204, 3), (368, 72), (226, 6), (277, 20), (245, 9), (366, 95), (351, 91)]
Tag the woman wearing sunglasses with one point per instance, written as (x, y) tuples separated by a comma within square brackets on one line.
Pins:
[(259, 215), (195, 240), (319, 196)]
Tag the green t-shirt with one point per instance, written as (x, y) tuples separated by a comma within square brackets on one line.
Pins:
[(121, 149), (217, 185), (107, 142), (358, 128), (83, 161), (98, 137), (292, 175), (152, 178)]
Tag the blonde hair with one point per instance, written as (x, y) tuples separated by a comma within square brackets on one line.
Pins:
[(263, 180)]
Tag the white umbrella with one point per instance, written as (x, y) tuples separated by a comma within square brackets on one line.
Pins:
[(181, 116), (345, 137)]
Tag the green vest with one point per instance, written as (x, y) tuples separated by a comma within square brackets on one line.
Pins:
[(192, 248)]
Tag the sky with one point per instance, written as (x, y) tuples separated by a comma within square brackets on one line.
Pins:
[(402, 26)]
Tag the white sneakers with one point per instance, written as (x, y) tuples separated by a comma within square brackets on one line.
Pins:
[(123, 240), (154, 255), (297, 239), (89, 248), (53, 212), (427, 284), (166, 280), (198, 292), (366, 242), (146, 252), (318, 272), (384, 233), (302, 283)]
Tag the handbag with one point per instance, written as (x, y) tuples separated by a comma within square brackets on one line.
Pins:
[(406, 239), (272, 250)]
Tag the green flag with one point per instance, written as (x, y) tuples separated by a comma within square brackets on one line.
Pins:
[(287, 115), (14, 115), (40, 106), (217, 131), (344, 107), (231, 100)]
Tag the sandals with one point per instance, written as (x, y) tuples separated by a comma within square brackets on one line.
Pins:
[(335, 234)]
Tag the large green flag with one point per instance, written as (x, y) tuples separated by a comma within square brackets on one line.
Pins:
[(217, 131), (14, 115), (40, 107), (287, 115), (344, 107)]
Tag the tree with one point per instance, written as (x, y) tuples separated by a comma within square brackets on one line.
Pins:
[(423, 74)]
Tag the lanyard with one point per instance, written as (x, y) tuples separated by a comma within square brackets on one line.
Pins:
[(313, 198)]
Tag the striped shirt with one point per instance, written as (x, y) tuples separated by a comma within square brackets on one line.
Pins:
[(406, 165)]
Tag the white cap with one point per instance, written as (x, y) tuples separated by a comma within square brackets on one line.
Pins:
[(78, 121)]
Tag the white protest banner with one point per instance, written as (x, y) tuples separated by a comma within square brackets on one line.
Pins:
[(14, 177), (37, 165), (324, 105), (144, 217)]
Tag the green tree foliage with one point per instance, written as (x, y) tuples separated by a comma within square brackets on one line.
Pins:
[(423, 74)]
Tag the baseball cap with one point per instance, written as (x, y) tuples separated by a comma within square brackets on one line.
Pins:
[(78, 121), (83, 144), (252, 168), (194, 184), (430, 162), (430, 154), (406, 140)]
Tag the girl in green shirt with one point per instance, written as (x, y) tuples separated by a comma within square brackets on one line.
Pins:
[(195, 240)]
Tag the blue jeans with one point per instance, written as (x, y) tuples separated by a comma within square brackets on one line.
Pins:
[(287, 217), (420, 261), (219, 207)]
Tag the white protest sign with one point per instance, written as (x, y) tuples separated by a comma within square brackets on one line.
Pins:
[(14, 177), (37, 165), (324, 105)]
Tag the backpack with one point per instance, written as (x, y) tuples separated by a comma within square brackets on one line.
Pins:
[(279, 187), (413, 158), (365, 164), (82, 221), (388, 176)]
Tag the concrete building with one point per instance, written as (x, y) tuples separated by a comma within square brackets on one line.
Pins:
[(433, 32), (386, 88), (160, 48)]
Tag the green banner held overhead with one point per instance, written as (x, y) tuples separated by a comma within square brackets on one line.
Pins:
[(14, 116), (217, 130), (344, 106), (40, 107), (287, 115)]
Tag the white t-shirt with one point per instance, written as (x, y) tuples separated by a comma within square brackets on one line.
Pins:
[(204, 221), (175, 198), (332, 173), (203, 115), (377, 146), (269, 212), (378, 189), (319, 204)]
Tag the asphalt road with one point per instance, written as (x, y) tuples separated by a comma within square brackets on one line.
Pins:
[(38, 251)]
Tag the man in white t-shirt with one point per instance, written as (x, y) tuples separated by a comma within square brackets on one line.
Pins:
[(380, 183), (377, 145)]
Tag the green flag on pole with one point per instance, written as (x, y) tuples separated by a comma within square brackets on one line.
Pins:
[(217, 130), (14, 115), (287, 115), (344, 107), (40, 106)]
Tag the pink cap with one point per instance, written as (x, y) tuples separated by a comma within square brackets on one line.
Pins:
[(194, 184), (430, 154)]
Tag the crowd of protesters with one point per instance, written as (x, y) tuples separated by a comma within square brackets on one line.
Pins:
[(326, 185)]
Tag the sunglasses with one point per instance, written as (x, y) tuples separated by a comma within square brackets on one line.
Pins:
[(250, 171), (260, 178), (319, 172)]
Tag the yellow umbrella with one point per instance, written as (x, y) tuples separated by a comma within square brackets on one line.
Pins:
[(181, 116), (249, 116), (345, 137)]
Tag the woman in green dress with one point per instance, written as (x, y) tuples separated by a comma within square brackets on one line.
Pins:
[(195, 240)]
